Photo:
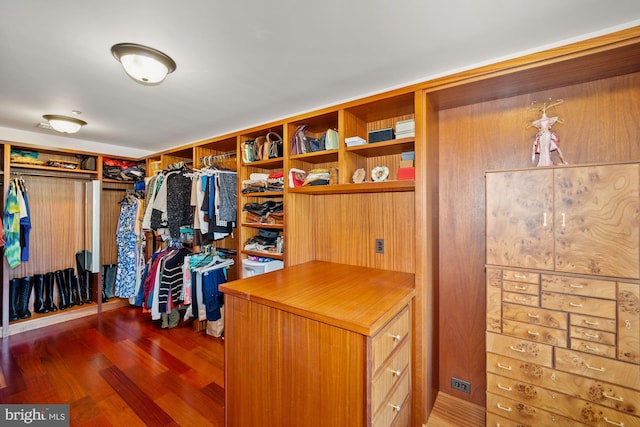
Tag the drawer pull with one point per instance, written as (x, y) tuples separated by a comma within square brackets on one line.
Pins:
[(575, 304), (619, 399), (534, 333), (595, 368), (533, 316), (395, 407), (505, 367), (519, 350), (544, 219), (588, 347), (504, 387), (504, 408), (395, 373), (613, 422), (520, 276), (594, 336), (591, 323), (396, 337), (574, 286), (520, 288)]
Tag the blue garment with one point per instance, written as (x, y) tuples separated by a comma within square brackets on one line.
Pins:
[(25, 227), (127, 239), (213, 298)]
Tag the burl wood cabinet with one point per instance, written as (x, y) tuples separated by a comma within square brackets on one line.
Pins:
[(319, 344), (563, 296)]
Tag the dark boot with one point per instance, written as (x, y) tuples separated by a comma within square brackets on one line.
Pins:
[(72, 286), (85, 286), (110, 280), (63, 291), (26, 286), (38, 294), (14, 288), (48, 292), (105, 273)]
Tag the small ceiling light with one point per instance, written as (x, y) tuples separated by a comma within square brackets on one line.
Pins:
[(145, 65), (64, 124)]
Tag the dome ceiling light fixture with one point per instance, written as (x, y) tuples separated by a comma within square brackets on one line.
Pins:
[(143, 64), (64, 124)]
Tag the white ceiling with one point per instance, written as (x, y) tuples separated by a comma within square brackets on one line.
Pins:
[(243, 63)]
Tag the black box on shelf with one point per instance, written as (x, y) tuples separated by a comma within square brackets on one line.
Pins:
[(381, 135)]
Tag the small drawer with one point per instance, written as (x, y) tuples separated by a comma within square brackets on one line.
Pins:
[(389, 338), (494, 420), (578, 304), (593, 335), (398, 401), (600, 323), (535, 333), (520, 349), (520, 287), (521, 276), (578, 286), (390, 374), (601, 368), (532, 300), (629, 322), (526, 414), (535, 316), (593, 348)]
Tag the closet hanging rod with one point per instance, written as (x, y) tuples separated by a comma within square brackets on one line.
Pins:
[(48, 174)]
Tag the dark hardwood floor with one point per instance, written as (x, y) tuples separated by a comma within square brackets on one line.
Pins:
[(119, 368)]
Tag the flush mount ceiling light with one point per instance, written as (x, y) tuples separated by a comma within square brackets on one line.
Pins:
[(64, 124), (145, 65)]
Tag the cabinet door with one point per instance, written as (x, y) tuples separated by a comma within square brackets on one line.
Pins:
[(519, 218), (597, 220)]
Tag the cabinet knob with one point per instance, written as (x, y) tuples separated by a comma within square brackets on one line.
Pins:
[(395, 373), (395, 337), (395, 407)]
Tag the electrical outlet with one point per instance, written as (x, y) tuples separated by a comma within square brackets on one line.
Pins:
[(379, 246), (460, 385)]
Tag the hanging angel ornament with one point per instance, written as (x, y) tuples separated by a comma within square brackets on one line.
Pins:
[(546, 141)]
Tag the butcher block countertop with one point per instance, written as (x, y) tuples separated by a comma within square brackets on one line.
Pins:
[(359, 299)]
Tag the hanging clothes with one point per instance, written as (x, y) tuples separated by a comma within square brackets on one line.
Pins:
[(11, 226), (130, 241), (25, 219)]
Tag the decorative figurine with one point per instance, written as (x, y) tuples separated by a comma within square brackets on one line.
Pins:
[(546, 140)]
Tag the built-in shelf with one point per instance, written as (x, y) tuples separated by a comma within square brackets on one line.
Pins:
[(384, 148), (365, 187), (264, 254)]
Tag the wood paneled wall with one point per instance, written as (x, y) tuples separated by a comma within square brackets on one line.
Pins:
[(600, 125)]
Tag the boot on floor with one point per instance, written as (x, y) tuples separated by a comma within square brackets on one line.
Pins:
[(63, 291), (72, 286), (38, 294), (85, 286), (14, 288), (48, 292), (26, 286)]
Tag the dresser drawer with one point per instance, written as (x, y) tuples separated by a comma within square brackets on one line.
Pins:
[(520, 349), (535, 333), (389, 375), (578, 286), (601, 368), (494, 420), (611, 395), (593, 348), (578, 304), (526, 414), (389, 338), (519, 287), (397, 403), (600, 323), (629, 322), (520, 276), (535, 315), (593, 335), (526, 299)]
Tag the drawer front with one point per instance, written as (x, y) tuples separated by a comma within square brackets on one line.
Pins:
[(578, 304), (600, 323), (389, 375), (535, 333), (537, 353), (578, 286), (519, 287), (526, 414), (593, 348), (611, 395), (397, 402), (494, 300), (534, 315), (389, 338), (520, 276), (526, 299), (593, 335), (629, 322), (601, 368)]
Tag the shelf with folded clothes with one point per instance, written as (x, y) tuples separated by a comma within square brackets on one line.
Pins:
[(365, 187), (383, 148)]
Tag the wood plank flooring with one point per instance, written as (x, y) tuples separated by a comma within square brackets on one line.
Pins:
[(118, 369)]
